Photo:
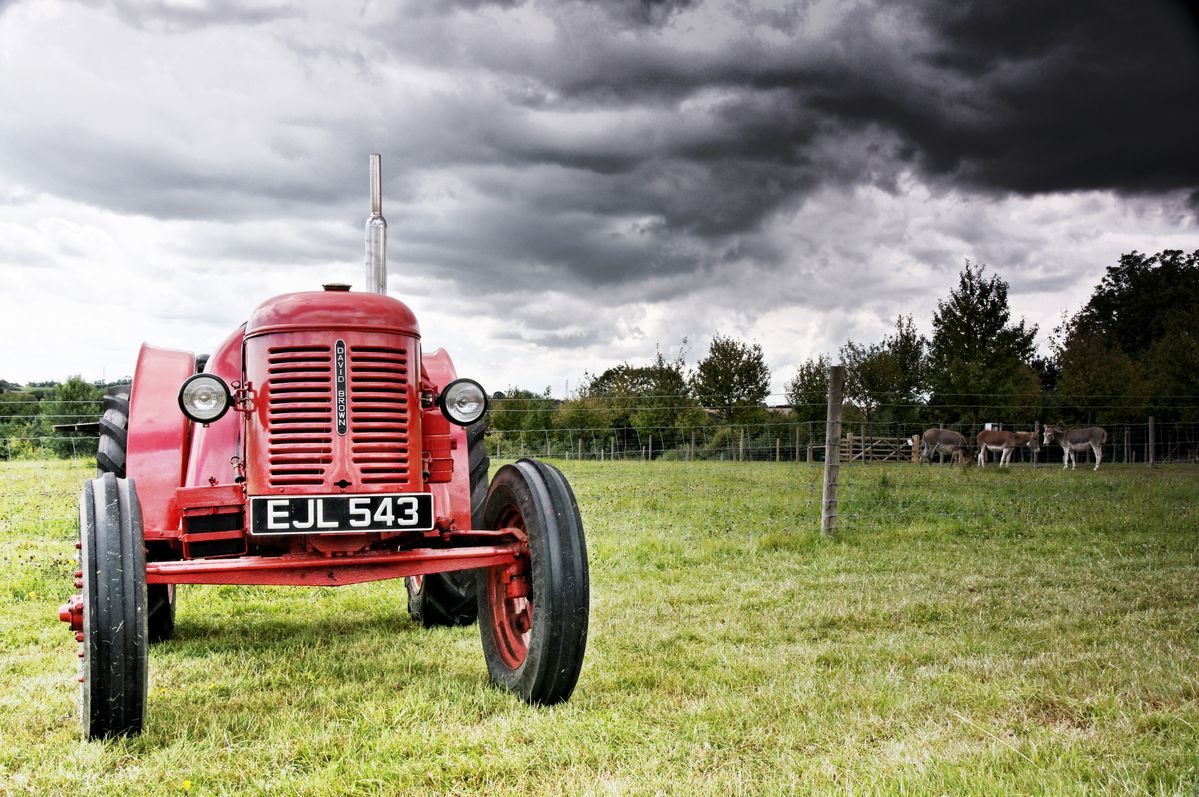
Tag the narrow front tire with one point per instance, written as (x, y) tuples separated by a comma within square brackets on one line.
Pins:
[(115, 634), (533, 615)]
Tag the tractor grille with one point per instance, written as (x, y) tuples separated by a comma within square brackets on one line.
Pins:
[(299, 414), (301, 435), (378, 388)]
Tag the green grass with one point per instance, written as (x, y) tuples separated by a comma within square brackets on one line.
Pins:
[(967, 632)]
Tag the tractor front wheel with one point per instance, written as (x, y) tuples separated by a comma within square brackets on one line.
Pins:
[(533, 614), (115, 636)]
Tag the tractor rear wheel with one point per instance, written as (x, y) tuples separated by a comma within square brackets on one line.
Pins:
[(533, 615), (450, 599), (114, 636), (114, 432), (160, 612), (110, 458)]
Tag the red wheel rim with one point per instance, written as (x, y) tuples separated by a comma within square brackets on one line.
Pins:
[(511, 618)]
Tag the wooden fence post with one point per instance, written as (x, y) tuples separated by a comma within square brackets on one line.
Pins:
[(1036, 434), (832, 450), (1152, 443)]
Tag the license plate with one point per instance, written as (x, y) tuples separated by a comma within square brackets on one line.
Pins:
[(341, 514)]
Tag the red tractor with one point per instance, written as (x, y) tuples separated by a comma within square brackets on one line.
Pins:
[(320, 445)]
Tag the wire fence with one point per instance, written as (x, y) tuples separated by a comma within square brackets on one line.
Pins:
[(1126, 443), (777, 459)]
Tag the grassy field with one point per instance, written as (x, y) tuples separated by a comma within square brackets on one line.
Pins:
[(969, 632)]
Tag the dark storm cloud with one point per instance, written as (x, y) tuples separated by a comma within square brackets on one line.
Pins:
[(1095, 95), (624, 141), (719, 135), (1026, 97)]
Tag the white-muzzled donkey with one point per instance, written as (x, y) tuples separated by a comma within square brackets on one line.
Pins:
[(1073, 440), (1005, 443)]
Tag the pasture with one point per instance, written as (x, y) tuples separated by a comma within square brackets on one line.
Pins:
[(968, 632)]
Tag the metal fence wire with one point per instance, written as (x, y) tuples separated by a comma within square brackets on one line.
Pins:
[(781, 460)]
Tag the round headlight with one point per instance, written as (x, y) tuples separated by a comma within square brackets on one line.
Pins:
[(204, 398), (463, 401)]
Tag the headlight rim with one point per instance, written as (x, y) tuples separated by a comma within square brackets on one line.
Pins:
[(224, 386), (441, 402)]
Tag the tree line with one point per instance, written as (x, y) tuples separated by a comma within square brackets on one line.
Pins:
[(29, 413), (1130, 351)]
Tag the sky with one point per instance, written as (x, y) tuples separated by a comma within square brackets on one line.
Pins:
[(571, 184)]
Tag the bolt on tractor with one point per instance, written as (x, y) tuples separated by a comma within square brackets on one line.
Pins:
[(320, 445)]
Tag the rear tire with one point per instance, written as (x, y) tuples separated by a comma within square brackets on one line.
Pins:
[(110, 458), (114, 432), (160, 616), (451, 599), (115, 636), (533, 615)]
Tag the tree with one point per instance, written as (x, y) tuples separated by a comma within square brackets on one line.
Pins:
[(20, 423), (1099, 382), (583, 416), (978, 361), (667, 396), (1134, 335), (807, 391), (644, 400), (1172, 367), (517, 412), (889, 373), (732, 379), (75, 401), (1141, 299)]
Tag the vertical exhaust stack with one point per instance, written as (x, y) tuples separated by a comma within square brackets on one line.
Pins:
[(376, 235)]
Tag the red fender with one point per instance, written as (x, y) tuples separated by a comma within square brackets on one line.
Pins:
[(155, 452), (455, 494), (214, 446)]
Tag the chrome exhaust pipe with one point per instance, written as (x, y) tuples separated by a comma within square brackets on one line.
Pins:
[(376, 234)]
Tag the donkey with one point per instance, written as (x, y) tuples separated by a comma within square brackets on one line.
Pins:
[(942, 440), (1005, 443), (1073, 440)]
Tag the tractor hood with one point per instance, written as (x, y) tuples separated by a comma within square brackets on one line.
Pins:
[(332, 309)]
